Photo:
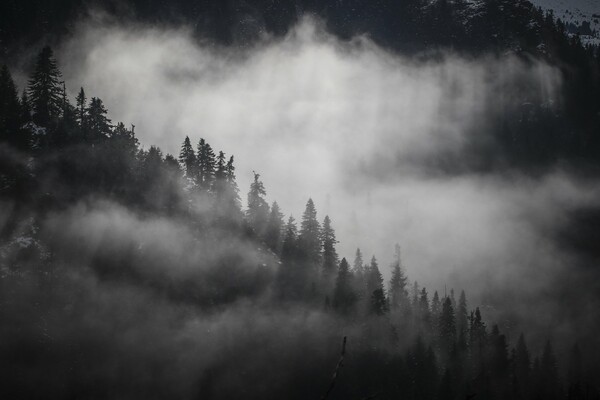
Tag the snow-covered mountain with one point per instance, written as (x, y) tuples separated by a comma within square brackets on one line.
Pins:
[(582, 16)]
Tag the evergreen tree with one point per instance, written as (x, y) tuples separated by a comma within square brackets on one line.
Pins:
[(462, 327), (330, 257), (374, 277), (397, 293), (290, 241), (45, 89), (221, 189), (477, 337), (98, 123), (379, 304), (436, 307), (187, 159), (274, 228), (359, 275), (221, 168), (343, 294), (415, 295), (258, 209), (291, 280), (206, 165), (310, 236), (499, 356), (358, 266), (232, 201)]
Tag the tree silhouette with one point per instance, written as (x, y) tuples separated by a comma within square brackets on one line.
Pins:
[(45, 89)]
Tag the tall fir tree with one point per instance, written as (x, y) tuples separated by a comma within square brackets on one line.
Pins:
[(232, 199), (397, 291), (447, 328), (206, 165), (45, 89), (290, 241), (274, 230), (330, 256), (187, 159), (290, 281), (378, 304), (98, 124), (220, 185), (344, 297), (310, 236), (462, 327), (257, 213)]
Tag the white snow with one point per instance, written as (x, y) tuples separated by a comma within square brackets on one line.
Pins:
[(576, 12)]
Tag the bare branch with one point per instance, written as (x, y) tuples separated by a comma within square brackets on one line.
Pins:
[(336, 371)]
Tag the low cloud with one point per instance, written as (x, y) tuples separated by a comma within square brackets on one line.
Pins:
[(358, 129)]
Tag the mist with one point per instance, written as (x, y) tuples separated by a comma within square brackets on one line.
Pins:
[(374, 138), (102, 296)]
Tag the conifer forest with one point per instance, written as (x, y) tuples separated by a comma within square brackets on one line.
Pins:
[(298, 199)]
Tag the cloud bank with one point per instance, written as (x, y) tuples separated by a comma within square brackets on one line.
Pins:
[(364, 132)]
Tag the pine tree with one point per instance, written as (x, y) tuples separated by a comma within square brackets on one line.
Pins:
[(447, 327), (274, 229), (45, 89), (477, 337), (220, 185), (462, 320), (358, 266), (374, 277), (330, 257), (436, 307), (187, 159), (291, 283), (415, 296), (310, 236), (343, 294), (258, 209), (397, 293), (290, 241), (124, 139), (221, 168), (232, 200), (379, 305), (499, 354), (97, 121), (206, 165)]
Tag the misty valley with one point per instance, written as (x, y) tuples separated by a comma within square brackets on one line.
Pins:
[(304, 200)]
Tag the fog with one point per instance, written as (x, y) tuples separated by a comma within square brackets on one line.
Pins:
[(367, 134)]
